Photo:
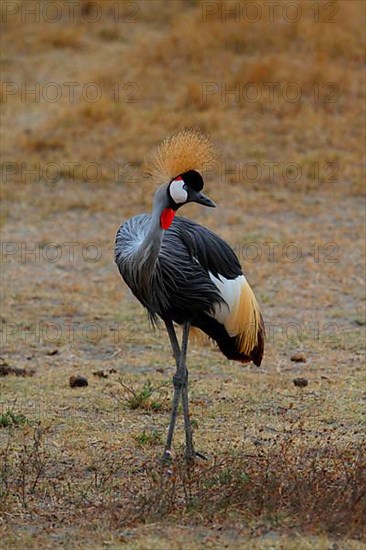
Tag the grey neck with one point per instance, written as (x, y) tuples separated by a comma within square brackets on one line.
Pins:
[(150, 247)]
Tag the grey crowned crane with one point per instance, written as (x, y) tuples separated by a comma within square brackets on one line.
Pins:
[(183, 273)]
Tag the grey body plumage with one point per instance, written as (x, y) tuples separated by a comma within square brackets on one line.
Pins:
[(179, 286)]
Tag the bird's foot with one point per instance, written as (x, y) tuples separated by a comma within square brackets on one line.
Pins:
[(167, 457), (191, 456), (201, 455)]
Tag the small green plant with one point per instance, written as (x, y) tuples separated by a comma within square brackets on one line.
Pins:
[(225, 477), (152, 437), (10, 419), (143, 398), (243, 477)]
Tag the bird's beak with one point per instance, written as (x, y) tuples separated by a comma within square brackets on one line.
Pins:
[(202, 199)]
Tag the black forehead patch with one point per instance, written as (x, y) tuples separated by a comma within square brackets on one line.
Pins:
[(193, 179)]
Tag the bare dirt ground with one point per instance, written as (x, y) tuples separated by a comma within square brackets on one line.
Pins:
[(282, 98)]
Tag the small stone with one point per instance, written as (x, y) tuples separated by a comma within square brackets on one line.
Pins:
[(78, 381), (100, 373), (300, 382), (298, 358), (52, 352)]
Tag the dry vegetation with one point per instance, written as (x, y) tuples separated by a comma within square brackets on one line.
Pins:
[(79, 467)]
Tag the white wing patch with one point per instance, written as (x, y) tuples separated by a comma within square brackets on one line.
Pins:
[(241, 316), (177, 191), (230, 290)]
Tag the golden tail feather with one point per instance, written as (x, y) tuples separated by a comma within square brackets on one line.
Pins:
[(245, 321)]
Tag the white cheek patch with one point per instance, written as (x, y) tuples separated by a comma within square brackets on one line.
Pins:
[(177, 192)]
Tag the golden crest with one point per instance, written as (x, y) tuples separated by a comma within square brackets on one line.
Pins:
[(189, 149)]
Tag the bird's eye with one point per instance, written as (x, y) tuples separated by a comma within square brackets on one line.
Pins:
[(178, 191)]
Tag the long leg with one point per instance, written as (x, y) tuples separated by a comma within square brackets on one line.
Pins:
[(180, 381), (173, 340), (190, 454), (177, 388)]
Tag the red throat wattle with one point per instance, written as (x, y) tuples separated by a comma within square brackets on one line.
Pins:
[(166, 218)]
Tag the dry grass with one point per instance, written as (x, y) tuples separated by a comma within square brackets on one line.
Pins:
[(80, 467), (293, 480), (286, 480)]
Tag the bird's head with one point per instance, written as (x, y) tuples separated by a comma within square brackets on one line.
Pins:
[(183, 189)]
